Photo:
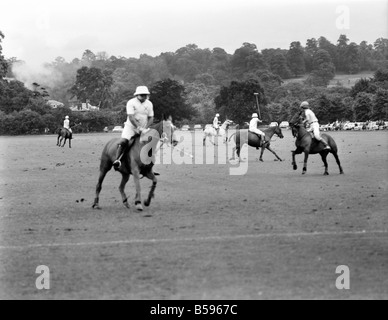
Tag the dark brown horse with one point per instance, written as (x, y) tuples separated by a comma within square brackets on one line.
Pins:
[(306, 144), (139, 161), (64, 134), (253, 140)]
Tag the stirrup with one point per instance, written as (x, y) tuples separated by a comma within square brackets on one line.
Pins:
[(327, 148), (117, 164)]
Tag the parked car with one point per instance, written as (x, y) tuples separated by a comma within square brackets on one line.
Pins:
[(372, 126), (118, 129), (197, 127), (382, 125), (358, 126), (273, 124), (284, 125), (349, 125), (185, 127)]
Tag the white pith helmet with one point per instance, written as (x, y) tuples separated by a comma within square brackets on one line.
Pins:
[(142, 90)]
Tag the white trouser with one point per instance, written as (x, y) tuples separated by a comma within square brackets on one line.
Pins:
[(257, 131), (314, 128), (129, 131)]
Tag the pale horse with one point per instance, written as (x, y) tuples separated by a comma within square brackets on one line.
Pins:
[(211, 132)]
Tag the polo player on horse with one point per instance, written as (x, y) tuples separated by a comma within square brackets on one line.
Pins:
[(309, 117), (140, 115), (216, 123), (66, 124), (253, 128)]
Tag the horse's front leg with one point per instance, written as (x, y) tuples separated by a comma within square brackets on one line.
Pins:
[(124, 180), (136, 176), (152, 177), (306, 156), (64, 143), (297, 151), (58, 143), (215, 140), (294, 165), (69, 143), (261, 153)]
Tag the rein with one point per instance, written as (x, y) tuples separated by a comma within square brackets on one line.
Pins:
[(298, 136), (272, 131)]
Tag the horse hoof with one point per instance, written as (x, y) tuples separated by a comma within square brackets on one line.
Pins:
[(147, 203), (96, 207), (342, 172), (261, 160), (295, 167), (139, 207), (326, 174)]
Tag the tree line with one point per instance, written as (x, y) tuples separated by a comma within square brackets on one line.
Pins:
[(191, 84)]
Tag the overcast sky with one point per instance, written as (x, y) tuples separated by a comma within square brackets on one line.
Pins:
[(40, 30)]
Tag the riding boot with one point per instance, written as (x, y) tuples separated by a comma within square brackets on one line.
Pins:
[(121, 148), (263, 141)]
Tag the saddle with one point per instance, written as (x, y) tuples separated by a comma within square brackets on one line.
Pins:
[(260, 140)]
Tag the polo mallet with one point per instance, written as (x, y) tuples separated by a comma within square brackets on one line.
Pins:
[(184, 152)]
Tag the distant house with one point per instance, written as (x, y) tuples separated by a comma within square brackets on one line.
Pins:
[(55, 104), (9, 79), (83, 107)]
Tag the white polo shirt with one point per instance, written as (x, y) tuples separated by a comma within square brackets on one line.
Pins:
[(141, 111), (310, 116), (253, 124)]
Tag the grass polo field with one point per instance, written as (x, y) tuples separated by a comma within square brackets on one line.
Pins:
[(269, 234)]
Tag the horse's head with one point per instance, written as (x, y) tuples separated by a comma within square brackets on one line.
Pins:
[(294, 128), (295, 123), (278, 132), (227, 123)]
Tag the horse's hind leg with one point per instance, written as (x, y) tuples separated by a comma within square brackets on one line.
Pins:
[(103, 171), (324, 159), (124, 180), (64, 142), (69, 143), (152, 177), (335, 154)]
